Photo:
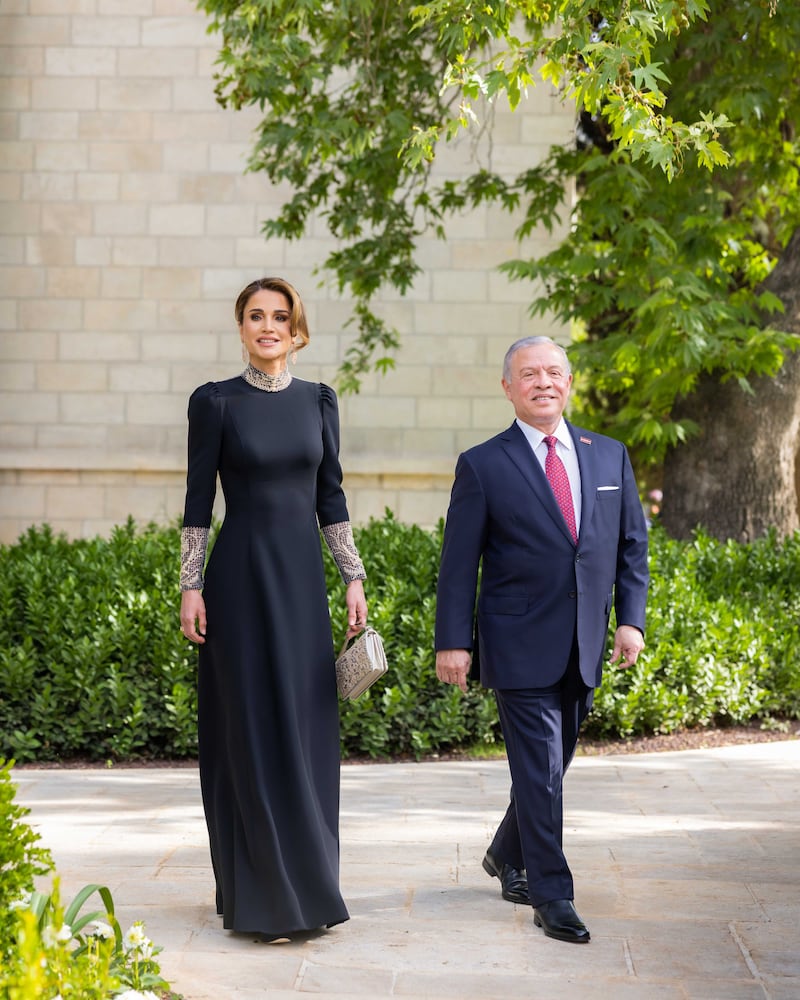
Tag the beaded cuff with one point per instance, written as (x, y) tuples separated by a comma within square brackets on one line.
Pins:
[(339, 539), (194, 542)]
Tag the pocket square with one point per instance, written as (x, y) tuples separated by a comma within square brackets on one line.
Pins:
[(606, 488)]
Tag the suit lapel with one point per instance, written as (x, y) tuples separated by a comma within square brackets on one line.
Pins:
[(587, 463), (519, 451)]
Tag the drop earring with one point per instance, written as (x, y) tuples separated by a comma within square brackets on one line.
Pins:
[(294, 355), (245, 355)]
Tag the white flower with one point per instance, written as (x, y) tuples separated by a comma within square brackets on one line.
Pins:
[(134, 936), (52, 937), (22, 902), (136, 940), (99, 928)]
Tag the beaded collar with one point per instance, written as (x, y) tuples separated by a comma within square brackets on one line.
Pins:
[(269, 383)]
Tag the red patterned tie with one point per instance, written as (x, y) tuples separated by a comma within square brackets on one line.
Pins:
[(559, 482)]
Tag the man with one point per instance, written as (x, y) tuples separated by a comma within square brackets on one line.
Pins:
[(552, 515)]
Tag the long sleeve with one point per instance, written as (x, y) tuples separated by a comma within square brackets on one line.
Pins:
[(205, 435), (331, 502), (462, 549), (332, 512), (632, 578)]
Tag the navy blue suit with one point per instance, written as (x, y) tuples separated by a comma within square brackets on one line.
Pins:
[(540, 631)]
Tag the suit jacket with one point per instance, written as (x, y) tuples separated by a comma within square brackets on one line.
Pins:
[(536, 585)]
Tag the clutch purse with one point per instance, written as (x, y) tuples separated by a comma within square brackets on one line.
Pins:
[(359, 665)]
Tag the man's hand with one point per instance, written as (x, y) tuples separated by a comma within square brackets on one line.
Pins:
[(452, 666), (628, 643)]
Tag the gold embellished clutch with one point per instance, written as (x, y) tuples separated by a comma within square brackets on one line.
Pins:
[(359, 665)]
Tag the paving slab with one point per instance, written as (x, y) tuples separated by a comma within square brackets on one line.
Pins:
[(686, 865)]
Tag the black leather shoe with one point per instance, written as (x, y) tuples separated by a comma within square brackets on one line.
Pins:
[(559, 920), (514, 881)]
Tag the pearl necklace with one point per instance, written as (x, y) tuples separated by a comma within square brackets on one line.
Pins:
[(269, 383)]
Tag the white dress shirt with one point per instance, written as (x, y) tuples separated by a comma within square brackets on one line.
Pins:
[(565, 449)]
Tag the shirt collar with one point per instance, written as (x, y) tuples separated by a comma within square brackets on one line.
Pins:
[(535, 436)]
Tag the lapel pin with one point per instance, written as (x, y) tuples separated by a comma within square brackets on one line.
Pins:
[(586, 440)]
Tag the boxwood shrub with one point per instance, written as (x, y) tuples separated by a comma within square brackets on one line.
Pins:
[(93, 664)]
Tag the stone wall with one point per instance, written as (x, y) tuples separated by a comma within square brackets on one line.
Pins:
[(127, 228)]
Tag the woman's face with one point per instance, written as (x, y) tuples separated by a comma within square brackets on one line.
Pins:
[(265, 330)]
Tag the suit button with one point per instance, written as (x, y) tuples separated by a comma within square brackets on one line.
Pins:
[(572, 594)]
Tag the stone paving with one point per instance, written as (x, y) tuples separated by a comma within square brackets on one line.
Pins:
[(686, 864)]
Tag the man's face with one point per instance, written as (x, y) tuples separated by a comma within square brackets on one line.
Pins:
[(539, 386)]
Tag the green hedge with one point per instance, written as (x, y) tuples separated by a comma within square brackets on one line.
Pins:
[(723, 640), (92, 662)]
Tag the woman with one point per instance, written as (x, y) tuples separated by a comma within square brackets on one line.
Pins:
[(267, 703)]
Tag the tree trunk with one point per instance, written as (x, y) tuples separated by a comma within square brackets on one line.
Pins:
[(739, 477)]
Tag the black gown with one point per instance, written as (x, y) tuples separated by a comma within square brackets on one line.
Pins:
[(268, 717)]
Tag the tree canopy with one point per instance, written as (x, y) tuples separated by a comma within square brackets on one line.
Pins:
[(686, 155)]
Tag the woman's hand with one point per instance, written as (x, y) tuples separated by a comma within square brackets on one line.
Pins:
[(356, 608), (193, 615)]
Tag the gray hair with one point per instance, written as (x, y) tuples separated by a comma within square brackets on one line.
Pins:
[(531, 342)]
